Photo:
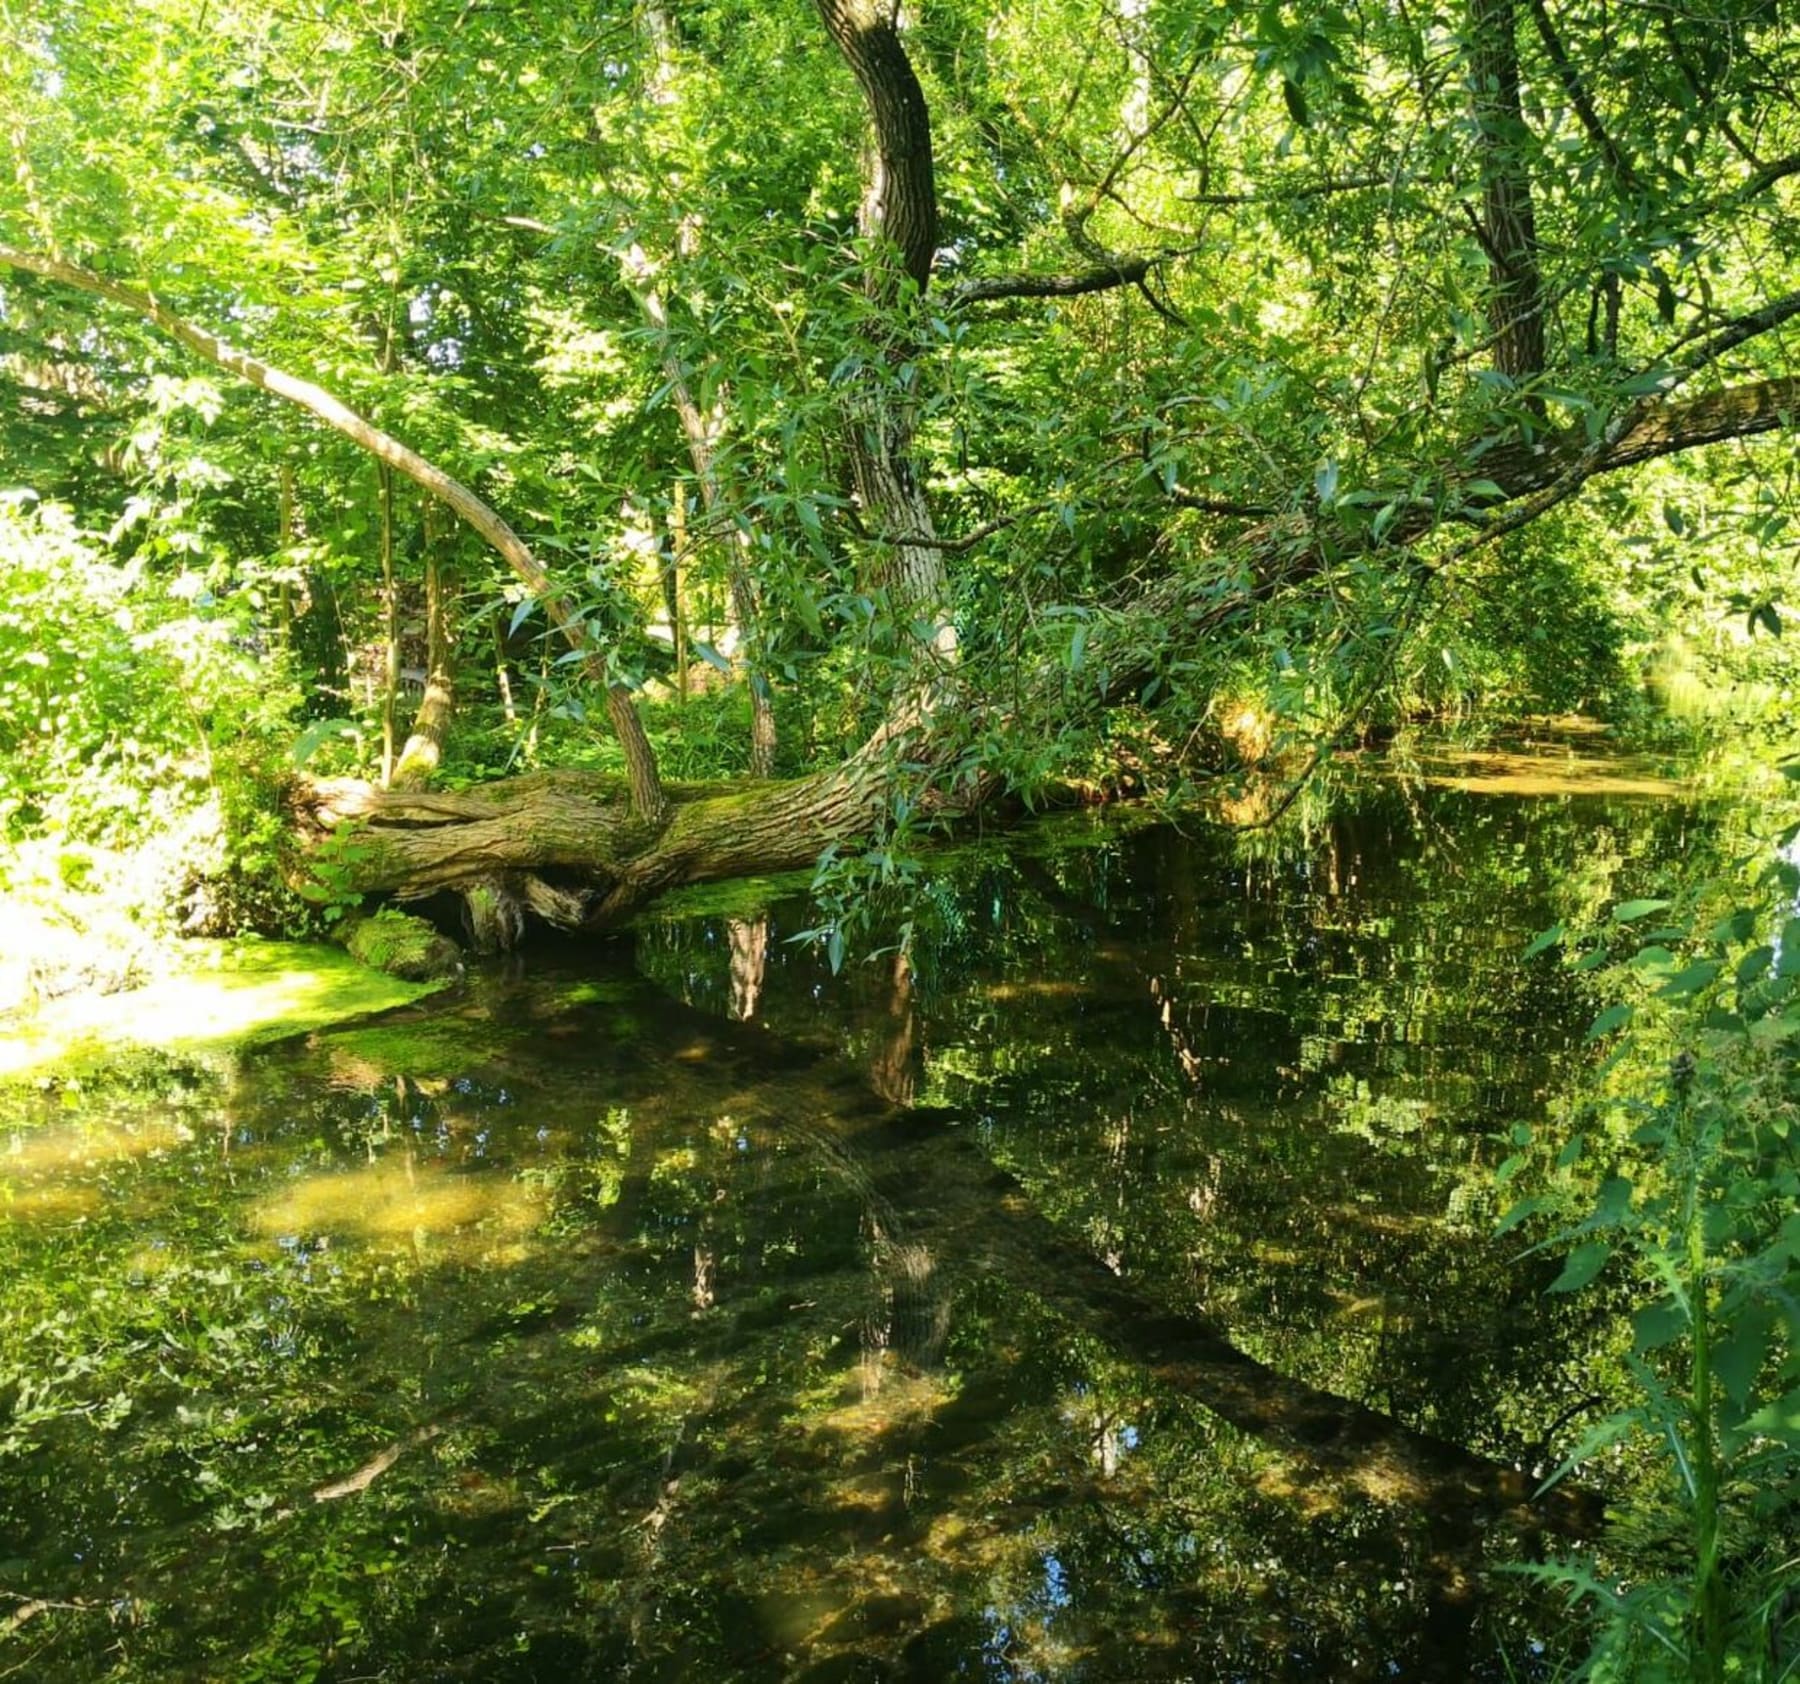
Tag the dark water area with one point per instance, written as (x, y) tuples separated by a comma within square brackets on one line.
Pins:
[(1103, 1288)]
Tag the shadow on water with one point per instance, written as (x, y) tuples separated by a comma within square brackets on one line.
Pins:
[(1103, 1289)]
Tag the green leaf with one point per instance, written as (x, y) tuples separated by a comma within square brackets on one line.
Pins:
[(710, 655), (1740, 1355), (1628, 912), (316, 735), (1518, 1213), (1584, 1263), (1591, 1443), (1754, 964), (1657, 1325), (1295, 101), (1690, 980), (1780, 1419), (1571, 1152), (1611, 1206), (1544, 940), (1614, 1017)]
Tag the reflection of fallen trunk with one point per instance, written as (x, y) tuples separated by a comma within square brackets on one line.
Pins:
[(937, 1208), (973, 1215), (370, 1471), (374, 1468)]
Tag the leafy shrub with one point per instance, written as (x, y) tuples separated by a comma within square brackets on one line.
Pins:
[(142, 727)]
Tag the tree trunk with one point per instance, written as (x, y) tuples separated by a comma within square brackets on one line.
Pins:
[(899, 220), (425, 744), (390, 626), (1509, 222), (569, 847)]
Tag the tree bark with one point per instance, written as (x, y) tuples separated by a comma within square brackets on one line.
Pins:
[(899, 205), (390, 626), (425, 743), (1509, 222), (569, 848), (899, 220)]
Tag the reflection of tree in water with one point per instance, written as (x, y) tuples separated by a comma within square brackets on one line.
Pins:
[(782, 1377)]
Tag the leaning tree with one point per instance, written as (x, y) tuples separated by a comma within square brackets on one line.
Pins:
[(1035, 359)]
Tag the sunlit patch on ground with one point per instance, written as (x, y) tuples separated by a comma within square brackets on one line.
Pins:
[(396, 1203)]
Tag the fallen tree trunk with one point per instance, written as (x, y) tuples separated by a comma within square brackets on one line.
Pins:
[(570, 849)]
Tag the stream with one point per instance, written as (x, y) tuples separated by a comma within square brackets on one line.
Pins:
[(1101, 1285)]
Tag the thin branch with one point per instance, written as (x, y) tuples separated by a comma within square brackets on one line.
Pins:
[(1766, 176), (1289, 195), (1740, 329), (1624, 176), (1220, 505)]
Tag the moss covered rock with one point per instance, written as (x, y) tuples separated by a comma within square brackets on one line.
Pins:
[(403, 946)]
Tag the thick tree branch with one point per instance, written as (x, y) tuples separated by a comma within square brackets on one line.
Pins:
[(640, 759), (1662, 429), (1126, 271)]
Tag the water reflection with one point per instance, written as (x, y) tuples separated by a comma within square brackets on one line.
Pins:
[(1097, 1289)]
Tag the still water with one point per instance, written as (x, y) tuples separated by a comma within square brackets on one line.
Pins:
[(1102, 1288)]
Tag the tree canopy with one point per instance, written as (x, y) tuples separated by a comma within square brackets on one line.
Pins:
[(997, 395)]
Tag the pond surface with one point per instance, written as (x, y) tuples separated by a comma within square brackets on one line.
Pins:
[(1104, 1290)]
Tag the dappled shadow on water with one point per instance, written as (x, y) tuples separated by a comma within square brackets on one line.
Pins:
[(1102, 1292)]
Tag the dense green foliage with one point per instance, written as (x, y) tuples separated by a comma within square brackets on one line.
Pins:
[(1694, 1129), (521, 241), (1218, 383)]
